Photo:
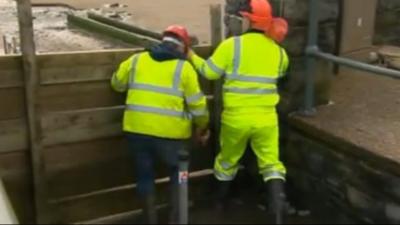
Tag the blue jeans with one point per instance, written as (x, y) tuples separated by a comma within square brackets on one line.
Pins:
[(146, 150)]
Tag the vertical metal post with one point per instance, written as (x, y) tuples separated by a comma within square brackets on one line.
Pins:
[(184, 188), (313, 22)]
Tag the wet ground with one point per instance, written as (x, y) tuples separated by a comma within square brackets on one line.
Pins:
[(156, 14), (52, 33), (246, 206), (246, 212)]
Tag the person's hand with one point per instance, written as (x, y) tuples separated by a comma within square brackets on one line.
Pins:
[(202, 136)]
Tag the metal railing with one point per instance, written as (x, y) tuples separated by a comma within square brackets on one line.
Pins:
[(313, 53), (7, 215)]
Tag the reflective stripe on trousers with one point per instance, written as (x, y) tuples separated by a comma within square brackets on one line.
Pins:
[(273, 175)]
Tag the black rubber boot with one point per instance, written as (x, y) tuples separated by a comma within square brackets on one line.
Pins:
[(149, 210), (276, 199), (222, 194)]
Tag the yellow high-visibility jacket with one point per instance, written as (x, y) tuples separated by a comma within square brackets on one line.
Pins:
[(163, 97), (250, 65)]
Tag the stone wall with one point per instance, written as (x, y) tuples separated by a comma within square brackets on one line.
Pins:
[(388, 22), (361, 188)]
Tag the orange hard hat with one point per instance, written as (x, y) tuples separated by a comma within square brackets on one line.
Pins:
[(180, 32), (278, 30), (260, 15)]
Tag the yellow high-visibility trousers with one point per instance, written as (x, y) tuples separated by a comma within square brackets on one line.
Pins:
[(262, 134)]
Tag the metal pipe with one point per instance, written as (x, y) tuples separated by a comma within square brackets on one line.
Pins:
[(184, 187), (313, 22), (111, 31), (125, 26), (313, 52), (354, 64)]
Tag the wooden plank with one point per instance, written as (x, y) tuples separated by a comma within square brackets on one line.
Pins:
[(15, 173), (100, 164), (31, 79), (13, 135), (91, 166), (10, 62), (11, 78), (79, 96), (85, 58), (76, 74), (125, 26), (115, 201), (103, 57), (204, 50), (82, 125), (13, 164), (111, 31), (94, 176), (132, 28), (12, 103)]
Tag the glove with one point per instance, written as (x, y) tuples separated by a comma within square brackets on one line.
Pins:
[(202, 136)]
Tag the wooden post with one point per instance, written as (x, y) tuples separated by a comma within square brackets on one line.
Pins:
[(216, 38), (31, 79), (15, 45), (5, 45)]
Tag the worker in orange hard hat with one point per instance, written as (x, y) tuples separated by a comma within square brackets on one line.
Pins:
[(261, 18), (163, 100), (251, 65)]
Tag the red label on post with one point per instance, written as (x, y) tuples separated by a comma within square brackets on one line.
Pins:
[(183, 177)]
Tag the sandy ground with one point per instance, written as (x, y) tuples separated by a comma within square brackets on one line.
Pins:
[(53, 35), (51, 31), (157, 14)]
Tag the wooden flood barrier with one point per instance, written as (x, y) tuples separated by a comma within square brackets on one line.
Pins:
[(88, 172)]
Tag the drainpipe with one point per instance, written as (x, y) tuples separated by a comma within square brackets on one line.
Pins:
[(312, 44)]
